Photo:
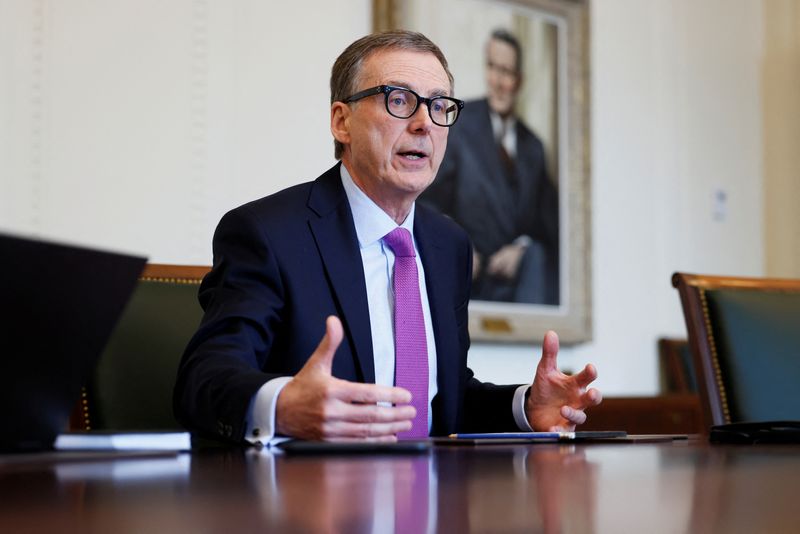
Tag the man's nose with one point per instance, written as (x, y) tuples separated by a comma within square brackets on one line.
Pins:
[(421, 121)]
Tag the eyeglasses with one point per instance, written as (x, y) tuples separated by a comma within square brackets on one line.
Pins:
[(403, 103)]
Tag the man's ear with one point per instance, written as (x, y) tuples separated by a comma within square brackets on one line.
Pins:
[(340, 122)]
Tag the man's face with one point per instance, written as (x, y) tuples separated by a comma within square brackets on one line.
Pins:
[(393, 160), (502, 76)]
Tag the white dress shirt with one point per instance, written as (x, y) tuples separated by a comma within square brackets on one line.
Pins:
[(504, 131), (372, 223)]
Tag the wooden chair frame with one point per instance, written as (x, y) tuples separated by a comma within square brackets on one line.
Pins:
[(674, 378), (692, 289), (161, 272)]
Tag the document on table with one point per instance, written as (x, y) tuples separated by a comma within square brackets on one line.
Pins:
[(124, 441)]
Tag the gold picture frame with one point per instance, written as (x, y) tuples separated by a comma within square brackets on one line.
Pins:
[(461, 28)]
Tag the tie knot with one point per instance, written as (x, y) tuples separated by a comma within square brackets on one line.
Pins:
[(399, 240)]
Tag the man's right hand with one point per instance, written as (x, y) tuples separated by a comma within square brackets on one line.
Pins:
[(315, 405)]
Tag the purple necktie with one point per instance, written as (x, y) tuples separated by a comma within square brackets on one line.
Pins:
[(410, 346)]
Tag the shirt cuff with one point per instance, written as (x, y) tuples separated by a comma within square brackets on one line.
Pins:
[(518, 408), (261, 413)]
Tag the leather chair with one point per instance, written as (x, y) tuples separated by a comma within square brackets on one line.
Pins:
[(745, 338), (676, 366), (132, 386)]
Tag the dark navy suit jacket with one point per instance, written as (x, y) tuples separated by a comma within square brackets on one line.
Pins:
[(282, 264)]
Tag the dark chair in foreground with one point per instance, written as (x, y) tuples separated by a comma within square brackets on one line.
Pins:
[(132, 385), (745, 338)]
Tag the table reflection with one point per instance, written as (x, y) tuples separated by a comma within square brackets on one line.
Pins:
[(746, 489), (451, 489), (650, 487), (82, 492), (545, 488), (348, 493)]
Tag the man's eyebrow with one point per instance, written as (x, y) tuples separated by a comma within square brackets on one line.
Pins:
[(406, 85)]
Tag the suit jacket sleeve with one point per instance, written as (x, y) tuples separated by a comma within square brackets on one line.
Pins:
[(222, 366)]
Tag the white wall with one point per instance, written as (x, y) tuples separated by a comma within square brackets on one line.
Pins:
[(135, 125)]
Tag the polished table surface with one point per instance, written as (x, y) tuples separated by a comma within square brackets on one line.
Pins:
[(681, 486)]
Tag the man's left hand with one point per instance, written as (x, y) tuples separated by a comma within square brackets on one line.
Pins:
[(557, 401)]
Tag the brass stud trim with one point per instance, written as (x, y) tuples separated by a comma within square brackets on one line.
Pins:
[(87, 422), (186, 281), (715, 357)]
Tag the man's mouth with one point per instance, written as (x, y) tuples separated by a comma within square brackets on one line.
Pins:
[(413, 154)]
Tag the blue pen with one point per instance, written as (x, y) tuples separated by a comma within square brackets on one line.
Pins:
[(517, 435)]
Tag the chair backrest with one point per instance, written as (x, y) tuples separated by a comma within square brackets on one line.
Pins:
[(132, 385), (745, 338), (676, 366)]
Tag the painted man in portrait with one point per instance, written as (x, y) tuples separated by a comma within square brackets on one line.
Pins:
[(494, 182)]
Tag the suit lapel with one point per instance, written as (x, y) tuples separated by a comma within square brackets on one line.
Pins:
[(335, 236), (443, 318)]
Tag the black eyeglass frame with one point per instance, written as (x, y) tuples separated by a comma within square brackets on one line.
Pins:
[(387, 89)]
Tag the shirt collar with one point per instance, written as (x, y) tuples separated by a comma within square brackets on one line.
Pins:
[(504, 131), (371, 222)]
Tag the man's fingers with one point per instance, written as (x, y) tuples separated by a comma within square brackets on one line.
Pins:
[(549, 352), (338, 430), (369, 413), (370, 393), (326, 349), (593, 397), (576, 417), (586, 376)]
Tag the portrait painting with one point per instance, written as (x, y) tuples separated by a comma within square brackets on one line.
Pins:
[(515, 174)]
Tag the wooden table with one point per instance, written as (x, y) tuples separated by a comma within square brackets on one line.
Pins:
[(686, 486)]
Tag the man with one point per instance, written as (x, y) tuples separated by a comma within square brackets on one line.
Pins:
[(493, 182), (316, 261)]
